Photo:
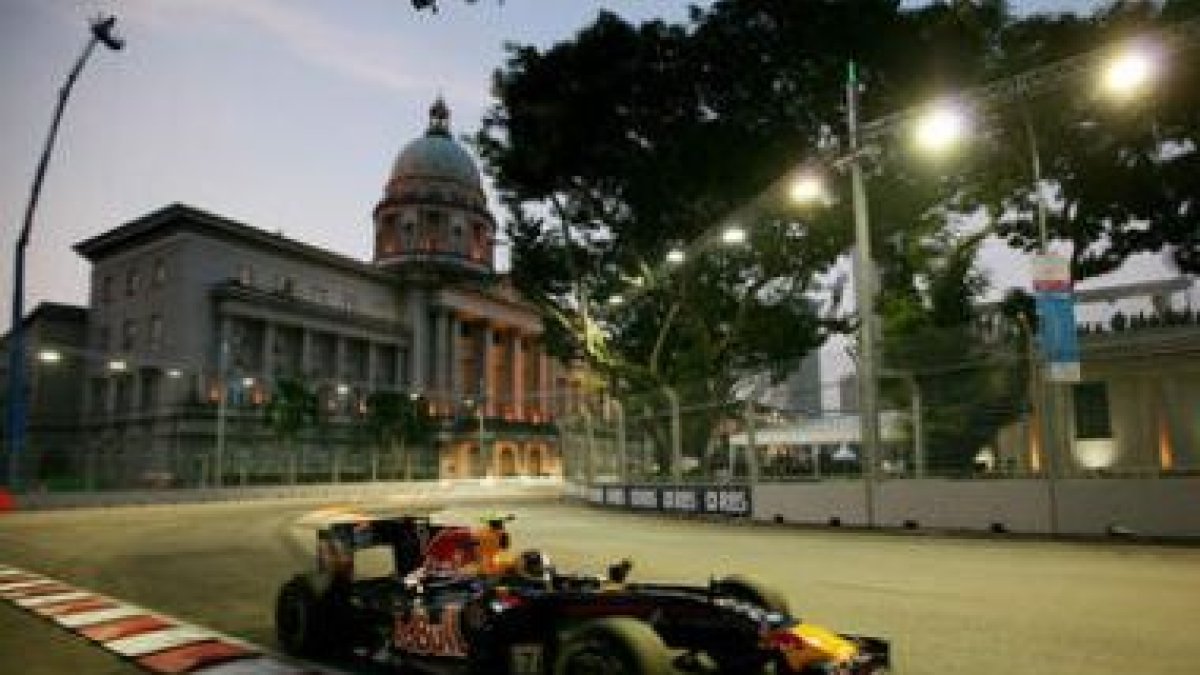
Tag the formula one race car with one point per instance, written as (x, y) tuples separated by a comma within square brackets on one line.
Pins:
[(459, 603)]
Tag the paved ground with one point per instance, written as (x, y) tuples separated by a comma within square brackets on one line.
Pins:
[(975, 606)]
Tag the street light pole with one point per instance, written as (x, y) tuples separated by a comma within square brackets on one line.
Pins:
[(101, 32), (864, 288)]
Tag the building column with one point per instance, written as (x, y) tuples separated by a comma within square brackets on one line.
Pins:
[(373, 365), (268, 351), (402, 355), (418, 366), (516, 365), (543, 381), (339, 359), (306, 349), (487, 383), (438, 355), (454, 368), (447, 356)]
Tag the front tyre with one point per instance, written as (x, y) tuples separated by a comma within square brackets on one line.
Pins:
[(613, 646), (306, 620), (747, 589)]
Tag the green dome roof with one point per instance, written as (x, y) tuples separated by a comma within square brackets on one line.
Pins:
[(436, 155)]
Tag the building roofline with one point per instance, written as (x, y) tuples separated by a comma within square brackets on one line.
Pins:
[(49, 311), (179, 217)]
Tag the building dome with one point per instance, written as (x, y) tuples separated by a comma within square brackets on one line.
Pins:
[(436, 155), (433, 221)]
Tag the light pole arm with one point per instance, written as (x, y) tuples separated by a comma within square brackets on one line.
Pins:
[(101, 31)]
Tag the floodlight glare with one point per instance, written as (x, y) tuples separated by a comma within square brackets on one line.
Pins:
[(733, 235), (940, 128), (1129, 71), (247, 382), (49, 356), (616, 300), (807, 189), (676, 256)]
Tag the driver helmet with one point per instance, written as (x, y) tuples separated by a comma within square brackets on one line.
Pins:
[(533, 565)]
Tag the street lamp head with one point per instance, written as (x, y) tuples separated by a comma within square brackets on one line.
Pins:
[(102, 29), (49, 356), (117, 366), (1130, 71), (807, 188), (940, 128), (676, 256), (616, 300), (733, 235)]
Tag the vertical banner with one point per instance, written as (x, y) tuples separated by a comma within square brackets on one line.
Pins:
[(1057, 334)]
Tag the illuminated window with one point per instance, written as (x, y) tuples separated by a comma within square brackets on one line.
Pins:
[(160, 272)]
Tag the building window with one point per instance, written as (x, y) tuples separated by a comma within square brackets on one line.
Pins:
[(102, 337), (129, 335), (106, 287), (160, 272), (285, 285), (133, 281), (1091, 411), (245, 275), (156, 328)]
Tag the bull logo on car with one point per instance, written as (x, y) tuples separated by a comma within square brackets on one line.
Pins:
[(417, 634)]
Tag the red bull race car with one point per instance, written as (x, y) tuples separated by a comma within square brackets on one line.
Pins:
[(459, 602)]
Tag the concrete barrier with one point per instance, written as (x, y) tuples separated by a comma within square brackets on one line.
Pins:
[(1163, 508)]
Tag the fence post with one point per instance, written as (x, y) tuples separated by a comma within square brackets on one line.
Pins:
[(751, 446), (622, 449), (676, 436)]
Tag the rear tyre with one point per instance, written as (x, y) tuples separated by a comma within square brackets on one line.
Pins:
[(307, 619), (613, 646), (754, 592)]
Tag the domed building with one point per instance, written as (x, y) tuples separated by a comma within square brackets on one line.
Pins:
[(433, 220), (200, 319)]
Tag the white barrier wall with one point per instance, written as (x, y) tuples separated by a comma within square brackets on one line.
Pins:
[(1165, 507), (1168, 507)]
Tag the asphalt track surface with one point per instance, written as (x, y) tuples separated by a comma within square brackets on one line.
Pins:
[(949, 605)]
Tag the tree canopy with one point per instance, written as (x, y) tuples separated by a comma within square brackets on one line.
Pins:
[(616, 146)]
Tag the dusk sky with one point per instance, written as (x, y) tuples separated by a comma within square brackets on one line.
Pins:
[(283, 114)]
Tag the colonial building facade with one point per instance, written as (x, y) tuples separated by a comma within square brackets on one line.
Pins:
[(194, 318)]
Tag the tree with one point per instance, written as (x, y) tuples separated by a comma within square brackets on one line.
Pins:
[(971, 383), (610, 149), (613, 147), (396, 420), (292, 409), (1120, 174)]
